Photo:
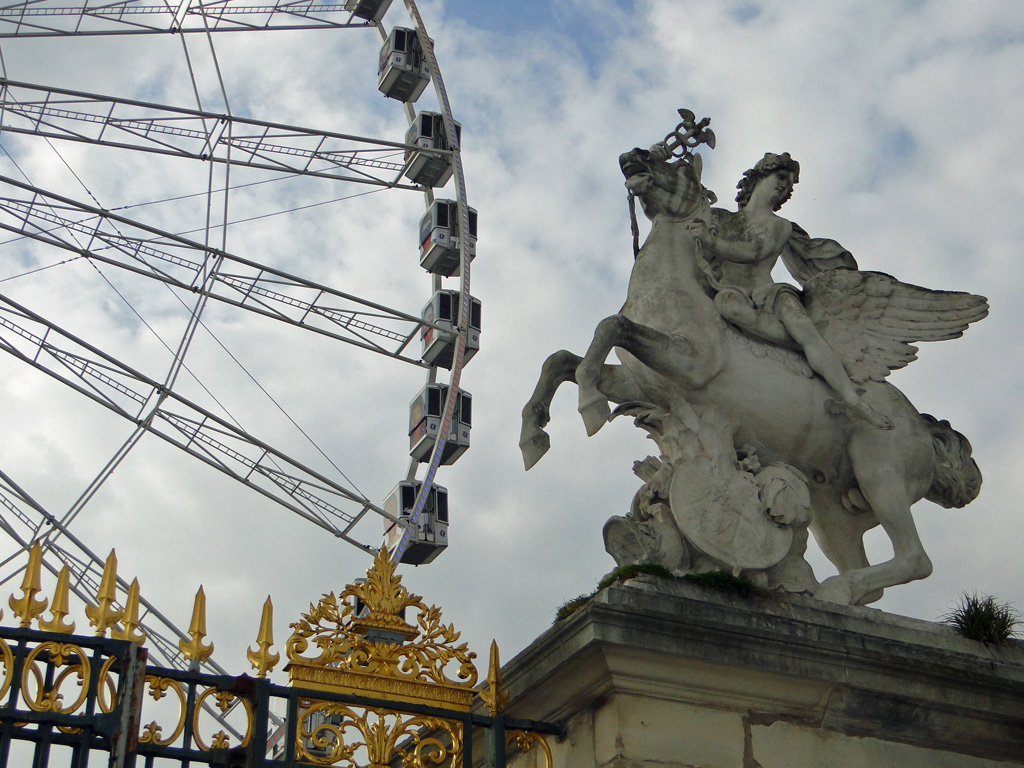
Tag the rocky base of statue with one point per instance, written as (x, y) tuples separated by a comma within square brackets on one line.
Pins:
[(707, 506)]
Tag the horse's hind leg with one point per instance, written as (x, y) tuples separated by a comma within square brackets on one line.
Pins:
[(840, 535), (884, 481)]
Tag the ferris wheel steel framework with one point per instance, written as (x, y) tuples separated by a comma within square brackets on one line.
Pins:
[(253, 143)]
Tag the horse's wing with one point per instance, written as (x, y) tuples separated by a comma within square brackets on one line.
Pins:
[(871, 318)]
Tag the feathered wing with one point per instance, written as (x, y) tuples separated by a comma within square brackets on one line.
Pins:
[(871, 319)]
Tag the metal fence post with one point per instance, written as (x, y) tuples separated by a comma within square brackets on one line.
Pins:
[(494, 743), (125, 738), (256, 754)]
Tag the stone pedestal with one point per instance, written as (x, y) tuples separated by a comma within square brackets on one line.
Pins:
[(661, 674)]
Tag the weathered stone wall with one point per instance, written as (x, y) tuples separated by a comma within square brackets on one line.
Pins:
[(656, 674)]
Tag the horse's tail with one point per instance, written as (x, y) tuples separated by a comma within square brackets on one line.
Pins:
[(957, 479)]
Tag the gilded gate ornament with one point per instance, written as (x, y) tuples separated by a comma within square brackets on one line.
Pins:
[(525, 741), (378, 639), (337, 734), (105, 615), (375, 641), (27, 607), (365, 645), (152, 732), (59, 611), (493, 694), (262, 659), (195, 649), (41, 696), (130, 618)]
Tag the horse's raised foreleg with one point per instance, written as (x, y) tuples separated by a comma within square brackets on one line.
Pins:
[(884, 481), (615, 383), (668, 355), (534, 442)]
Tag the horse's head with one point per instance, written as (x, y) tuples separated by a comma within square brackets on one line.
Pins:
[(665, 187)]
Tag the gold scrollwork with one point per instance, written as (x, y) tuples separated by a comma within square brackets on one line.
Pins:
[(50, 699), (58, 682), (425, 741), (526, 741), (158, 687), (106, 693), (7, 657), (224, 700)]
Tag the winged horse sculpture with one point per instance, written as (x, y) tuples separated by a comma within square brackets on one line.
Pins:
[(758, 391)]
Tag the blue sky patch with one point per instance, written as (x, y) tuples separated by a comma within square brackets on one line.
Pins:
[(590, 32)]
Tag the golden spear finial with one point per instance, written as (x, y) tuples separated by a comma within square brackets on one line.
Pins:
[(491, 693), (262, 660), (130, 618), (27, 607), (103, 615), (195, 650), (60, 607)]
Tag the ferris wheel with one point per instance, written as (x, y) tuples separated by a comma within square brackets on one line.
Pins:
[(153, 205)]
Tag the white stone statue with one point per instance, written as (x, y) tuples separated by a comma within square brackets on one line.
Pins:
[(768, 403)]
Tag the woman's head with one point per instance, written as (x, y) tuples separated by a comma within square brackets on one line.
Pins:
[(765, 167)]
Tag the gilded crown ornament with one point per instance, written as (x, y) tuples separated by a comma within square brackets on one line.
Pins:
[(365, 644)]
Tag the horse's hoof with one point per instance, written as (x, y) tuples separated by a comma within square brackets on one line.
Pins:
[(595, 415), (871, 597), (835, 589), (622, 542), (534, 447)]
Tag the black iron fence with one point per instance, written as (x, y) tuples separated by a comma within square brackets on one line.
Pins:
[(75, 700), (376, 680)]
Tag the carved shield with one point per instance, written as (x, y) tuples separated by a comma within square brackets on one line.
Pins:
[(720, 513)]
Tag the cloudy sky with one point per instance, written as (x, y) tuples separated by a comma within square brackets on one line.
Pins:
[(905, 116)]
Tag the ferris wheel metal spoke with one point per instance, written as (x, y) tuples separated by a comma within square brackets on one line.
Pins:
[(240, 282), (184, 424), (55, 113), (86, 569), (49, 18), (86, 566)]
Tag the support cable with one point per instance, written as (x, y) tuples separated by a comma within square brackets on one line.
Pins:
[(157, 398)]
